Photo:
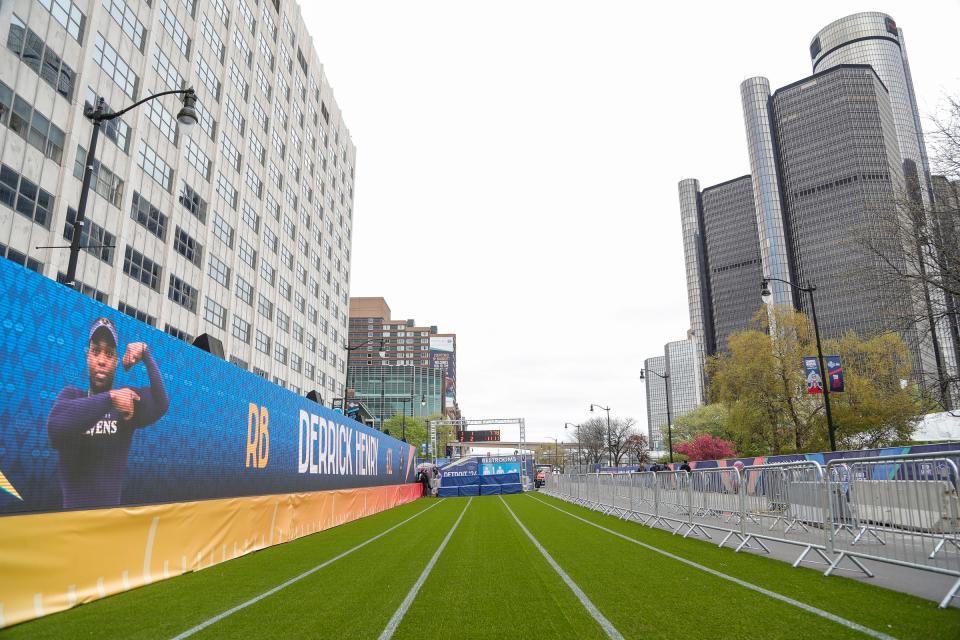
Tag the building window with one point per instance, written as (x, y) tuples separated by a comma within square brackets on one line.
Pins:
[(197, 158), (296, 362), (94, 239), (257, 149), (237, 120), (267, 272), (25, 197), (167, 71), (244, 290), (222, 12), (236, 77), (182, 293), (114, 66), (249, 215), (219, 271), (193, 203), (262, 342), (222, 230), (188, 247), (154, 166), (226, 190), (162, 120), (240, 363), (265, 52), (285, 288), (68, 15), (241, 46), (148, 216), (30, 48), (280, 353), (133, 312), (241, 329), (260, 116), (178, 333), (283, 321), (103, 180), (247, 254), (206, 121), (17, 114), (265, 307), (215, 314), (174, 28), (127, 19), (116, 130), (141, 268), (212, 38), (254, 182), (308, 370), (208, 77)]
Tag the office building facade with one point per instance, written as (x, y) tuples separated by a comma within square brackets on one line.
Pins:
[(656, 389), (386, 391), (828, 156), (403, 344), (240, 229), (676, 385)]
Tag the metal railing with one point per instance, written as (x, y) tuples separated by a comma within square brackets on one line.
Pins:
[(903, 510)]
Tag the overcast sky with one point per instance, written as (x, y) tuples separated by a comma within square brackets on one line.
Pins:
[(517, 165)]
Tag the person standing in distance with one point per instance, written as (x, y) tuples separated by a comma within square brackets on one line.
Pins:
[(93, 429)]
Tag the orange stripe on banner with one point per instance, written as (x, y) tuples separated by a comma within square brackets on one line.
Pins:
[(53, 561)]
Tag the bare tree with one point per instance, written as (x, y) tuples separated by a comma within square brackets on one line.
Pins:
[(620, 431), (923, 268), (638, 448), (593, 439)]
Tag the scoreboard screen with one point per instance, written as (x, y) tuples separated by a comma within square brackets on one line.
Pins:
[(490, 435)]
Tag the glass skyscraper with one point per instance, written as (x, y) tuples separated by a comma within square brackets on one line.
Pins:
[(831, 157)]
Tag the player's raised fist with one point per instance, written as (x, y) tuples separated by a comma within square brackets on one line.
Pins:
[(133, 354)]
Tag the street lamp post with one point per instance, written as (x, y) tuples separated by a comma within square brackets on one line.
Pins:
[(665, 376), (187, 117), (556, 446), (809, 289), (570, 424), (383, 408), (609, 437), (403, 420)]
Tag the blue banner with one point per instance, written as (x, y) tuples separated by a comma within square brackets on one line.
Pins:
[(101, 410), (835, 373)]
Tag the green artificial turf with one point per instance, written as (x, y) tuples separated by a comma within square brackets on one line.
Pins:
[(733, 614), (491, 582), (165, 609)]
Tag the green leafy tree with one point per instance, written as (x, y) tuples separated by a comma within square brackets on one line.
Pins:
[(709, 419), (761, 387)]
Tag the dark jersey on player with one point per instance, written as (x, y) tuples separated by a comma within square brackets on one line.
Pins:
[(93, 440)]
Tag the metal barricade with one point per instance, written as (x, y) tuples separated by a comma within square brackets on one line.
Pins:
[(673, 499), (903, 510), (785, 503), (715, 502), (643, 497)]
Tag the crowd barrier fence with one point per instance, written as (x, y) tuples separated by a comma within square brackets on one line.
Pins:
[(902, 510)]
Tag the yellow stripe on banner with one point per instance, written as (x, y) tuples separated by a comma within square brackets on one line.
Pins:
[(52, 561), (6, 486)]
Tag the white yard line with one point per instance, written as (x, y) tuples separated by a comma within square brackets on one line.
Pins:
[(743, 583), (607, 626), (266, 594), (405, 605)]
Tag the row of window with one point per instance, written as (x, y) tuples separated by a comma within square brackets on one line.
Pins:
[(31, 125)]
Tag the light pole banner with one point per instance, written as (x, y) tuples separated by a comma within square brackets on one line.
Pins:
[(835, 373), (811, 370)]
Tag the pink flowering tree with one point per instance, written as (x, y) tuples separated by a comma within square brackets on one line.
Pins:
[(706, 447)]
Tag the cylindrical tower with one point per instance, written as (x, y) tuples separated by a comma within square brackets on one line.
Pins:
[(873, 38), (694, 257), (774, 250)]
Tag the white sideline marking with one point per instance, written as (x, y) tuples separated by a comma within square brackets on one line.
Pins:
[(607, 626), (402, 609), (265, 594), (743, 583), (148, 553)]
